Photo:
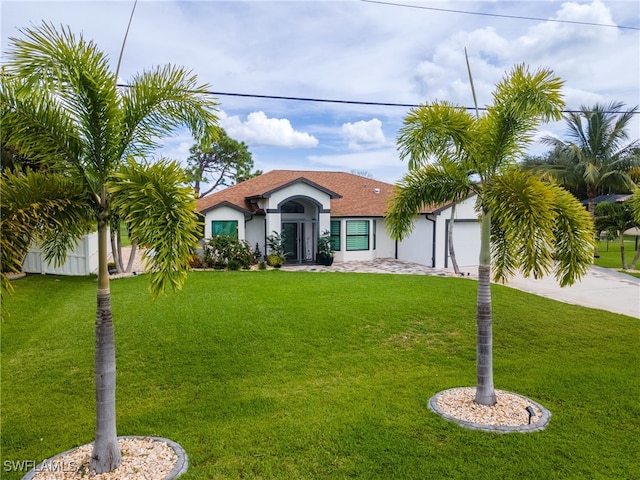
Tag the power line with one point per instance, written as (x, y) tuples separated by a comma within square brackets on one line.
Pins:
[(347, 102), (518, 17), (318, 100), (355, 102)]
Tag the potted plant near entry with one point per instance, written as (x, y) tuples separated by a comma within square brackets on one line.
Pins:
[(276, 256), (325, 252)]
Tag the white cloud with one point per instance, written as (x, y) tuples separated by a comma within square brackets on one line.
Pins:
[(258, 129), (363, 133)]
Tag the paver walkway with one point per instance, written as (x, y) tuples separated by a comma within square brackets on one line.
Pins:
[(600, 288)]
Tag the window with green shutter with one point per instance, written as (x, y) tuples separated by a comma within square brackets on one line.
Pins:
[(228, 228), (335, 235), (358, 235)]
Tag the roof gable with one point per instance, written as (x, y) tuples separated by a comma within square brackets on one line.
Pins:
[(294, 182), (351, 195)]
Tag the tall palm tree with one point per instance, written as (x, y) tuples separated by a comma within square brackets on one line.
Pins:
[(60, 105), (598, 153), (527, 224), (615, 219)]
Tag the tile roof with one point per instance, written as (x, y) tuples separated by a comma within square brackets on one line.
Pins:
[(352, 195)]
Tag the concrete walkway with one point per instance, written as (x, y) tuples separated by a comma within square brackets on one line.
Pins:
[(600, 288)]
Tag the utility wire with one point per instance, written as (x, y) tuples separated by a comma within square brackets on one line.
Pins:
[(346, 102), (484, 14)]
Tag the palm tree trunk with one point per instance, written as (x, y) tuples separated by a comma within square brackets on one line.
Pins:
[(132, 255), (106, 453), (591, 207), (636, 257), (452, 251), (485, 393), (115, 250)]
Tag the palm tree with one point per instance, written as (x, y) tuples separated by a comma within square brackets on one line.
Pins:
[(527, 224), (598, 155), (615, 219), (61, 106)]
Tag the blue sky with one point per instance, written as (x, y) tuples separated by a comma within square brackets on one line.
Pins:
[(353, 50)]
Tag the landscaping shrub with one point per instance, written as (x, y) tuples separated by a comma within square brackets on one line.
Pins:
[(222, 251)]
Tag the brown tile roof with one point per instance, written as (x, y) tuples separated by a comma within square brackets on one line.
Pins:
[(351, 195)]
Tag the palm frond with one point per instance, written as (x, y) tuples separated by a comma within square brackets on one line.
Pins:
[(48, 208), (635, 204), (574, 242), (159, 101), (538, 227), (159, 209), (433, 131), (524, 223), (431, 185), (522, 101)]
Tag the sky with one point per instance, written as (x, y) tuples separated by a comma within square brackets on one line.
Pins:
[(405, 53)]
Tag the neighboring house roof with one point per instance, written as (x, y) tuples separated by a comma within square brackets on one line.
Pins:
[(351, 195), (613, 198)]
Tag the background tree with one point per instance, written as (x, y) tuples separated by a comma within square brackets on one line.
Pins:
[(60, 106), (223, 162), (556, 165), (527, 224), (12, 161), (615, 219), (598, 156)]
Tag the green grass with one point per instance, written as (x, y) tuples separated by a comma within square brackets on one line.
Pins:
[(610, 254), (298, 375)]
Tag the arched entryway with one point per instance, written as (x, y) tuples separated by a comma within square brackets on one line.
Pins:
[(299, 218)]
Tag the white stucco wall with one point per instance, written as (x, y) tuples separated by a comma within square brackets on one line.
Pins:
[(298, 190), (418, 247), (255, 232), (466, 240), (385, 247), (465, 227)]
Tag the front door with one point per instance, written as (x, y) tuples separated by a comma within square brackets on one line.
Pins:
[(298, 240), (292, 237)]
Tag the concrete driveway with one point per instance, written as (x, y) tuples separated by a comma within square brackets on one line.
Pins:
[(600, 288)]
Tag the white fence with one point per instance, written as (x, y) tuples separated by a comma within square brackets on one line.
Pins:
[(81, 260)]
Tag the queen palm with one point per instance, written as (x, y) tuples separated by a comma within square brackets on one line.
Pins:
[(61, 106), (527, 224), (598, 153)]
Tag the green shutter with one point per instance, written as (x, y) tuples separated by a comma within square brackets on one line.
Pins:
[(358, 235), (358, 227), (335, 235), (357, 243)]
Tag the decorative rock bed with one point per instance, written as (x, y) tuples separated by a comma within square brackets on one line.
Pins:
[(509, 414), (143, 458)]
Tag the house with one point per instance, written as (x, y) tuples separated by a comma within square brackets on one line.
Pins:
[(303, 204), (612, 198)]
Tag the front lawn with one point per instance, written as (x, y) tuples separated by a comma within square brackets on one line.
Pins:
[(300, 375), (609, 252)]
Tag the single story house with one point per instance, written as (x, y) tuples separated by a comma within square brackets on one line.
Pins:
[(304, 204)]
